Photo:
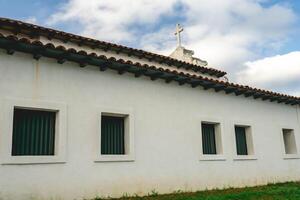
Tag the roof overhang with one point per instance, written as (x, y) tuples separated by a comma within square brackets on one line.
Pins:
[(33, 31), (62, 54)]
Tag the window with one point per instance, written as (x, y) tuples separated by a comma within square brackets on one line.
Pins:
[(33, 132), (112, 135), (289, 141), (241, 140), (211, 138), (116, 138), (208, 139)]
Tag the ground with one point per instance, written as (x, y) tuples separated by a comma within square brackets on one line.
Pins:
[(281, 191)]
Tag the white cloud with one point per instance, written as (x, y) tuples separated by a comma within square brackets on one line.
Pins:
[(32, 20), (277, 70), (112, 20), (226, 33)]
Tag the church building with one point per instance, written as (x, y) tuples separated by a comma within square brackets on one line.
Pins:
[(82, 118)]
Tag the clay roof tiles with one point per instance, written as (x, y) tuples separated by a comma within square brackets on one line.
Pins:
[(34, 30), (12, 43)]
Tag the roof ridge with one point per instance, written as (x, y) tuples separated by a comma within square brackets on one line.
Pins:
[(65, 37)]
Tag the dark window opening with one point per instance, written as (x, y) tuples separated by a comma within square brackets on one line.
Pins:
[(33, 132), (112, 135), (208, 139), (241, 140)]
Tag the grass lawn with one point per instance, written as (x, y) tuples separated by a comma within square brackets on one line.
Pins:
[(286, 191)]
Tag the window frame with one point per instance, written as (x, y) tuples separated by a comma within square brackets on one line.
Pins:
[(8, 106), (293, 155), (219, 134), (249, 141), (129, 155)]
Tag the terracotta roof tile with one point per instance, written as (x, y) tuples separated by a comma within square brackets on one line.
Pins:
[(162, 73), (29, 29)]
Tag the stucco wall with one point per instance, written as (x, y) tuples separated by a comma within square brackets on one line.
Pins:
[(167, 134)]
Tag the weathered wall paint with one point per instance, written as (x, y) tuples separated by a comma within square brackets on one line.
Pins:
[(167, 134)]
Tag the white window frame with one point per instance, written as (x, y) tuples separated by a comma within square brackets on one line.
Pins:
[(249, 139), (6, 130), (128, 115), (219, 132), (292, 155)]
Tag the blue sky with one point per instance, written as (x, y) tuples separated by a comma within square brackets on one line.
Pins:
[(256, 41), (294, 42), (21, 9)]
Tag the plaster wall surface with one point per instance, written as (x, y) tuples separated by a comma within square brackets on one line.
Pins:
[(167, 134)]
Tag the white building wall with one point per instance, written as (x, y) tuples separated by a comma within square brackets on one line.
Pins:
[(167, 134)]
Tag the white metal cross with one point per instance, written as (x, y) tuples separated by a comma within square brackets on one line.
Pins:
[(179, 29)]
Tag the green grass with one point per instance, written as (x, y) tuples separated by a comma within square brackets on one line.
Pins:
[(281, 191)]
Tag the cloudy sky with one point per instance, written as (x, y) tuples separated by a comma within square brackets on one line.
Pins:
[(256, 41)]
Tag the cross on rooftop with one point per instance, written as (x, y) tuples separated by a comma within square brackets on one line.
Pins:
[(179, 29)]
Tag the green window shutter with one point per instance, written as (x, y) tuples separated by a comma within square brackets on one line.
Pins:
[(241, 141), (33, 133), (112, 135), (208, 139)]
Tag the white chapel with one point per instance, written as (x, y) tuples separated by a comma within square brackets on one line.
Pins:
[(82, 118)]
